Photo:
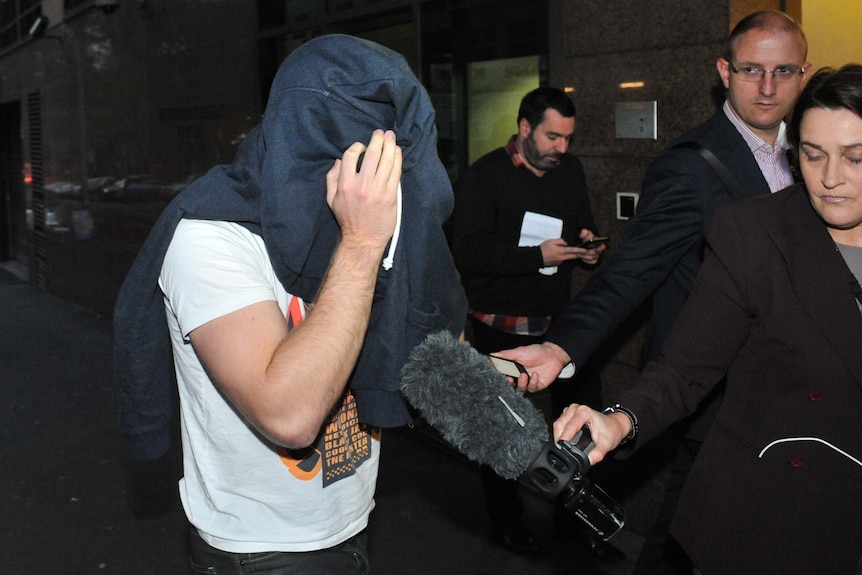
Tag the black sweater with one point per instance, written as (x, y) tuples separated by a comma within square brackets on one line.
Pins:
[(499, 276)]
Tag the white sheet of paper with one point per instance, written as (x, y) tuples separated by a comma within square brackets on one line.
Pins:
[(536, 228)]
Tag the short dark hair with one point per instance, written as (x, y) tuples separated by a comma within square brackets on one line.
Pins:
[(771, 20), (829, 89), (534, 104)]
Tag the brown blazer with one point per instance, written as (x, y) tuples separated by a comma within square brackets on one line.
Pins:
[(771, 307)]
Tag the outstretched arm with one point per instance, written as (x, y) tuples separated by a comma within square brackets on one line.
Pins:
[(664, 238)]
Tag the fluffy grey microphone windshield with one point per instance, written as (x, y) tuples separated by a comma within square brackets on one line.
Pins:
[(472, 405)]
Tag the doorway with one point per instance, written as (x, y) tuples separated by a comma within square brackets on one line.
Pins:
[(13, 201)]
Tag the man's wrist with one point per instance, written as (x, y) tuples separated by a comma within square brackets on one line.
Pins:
[(361, 256), (568, 369), (556, 351), (363, 247)]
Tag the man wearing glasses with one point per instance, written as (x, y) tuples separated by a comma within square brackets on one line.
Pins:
[(763, 68)]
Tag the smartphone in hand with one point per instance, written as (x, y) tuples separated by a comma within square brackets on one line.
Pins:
[(507, 366), (595, 242)]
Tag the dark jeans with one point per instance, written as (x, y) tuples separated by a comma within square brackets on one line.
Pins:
[(350, 557)]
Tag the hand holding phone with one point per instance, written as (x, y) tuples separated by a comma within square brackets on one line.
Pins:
[(507, 366), (593, 242)]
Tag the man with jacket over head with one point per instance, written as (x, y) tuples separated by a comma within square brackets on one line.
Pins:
[(285, 294)]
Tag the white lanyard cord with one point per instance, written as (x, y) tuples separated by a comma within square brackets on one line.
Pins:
[(390, 256), (818, 440)]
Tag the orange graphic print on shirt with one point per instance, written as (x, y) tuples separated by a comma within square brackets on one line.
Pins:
[(341, 448)]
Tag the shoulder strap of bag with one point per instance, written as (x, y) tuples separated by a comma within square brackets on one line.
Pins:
[(723, 173)]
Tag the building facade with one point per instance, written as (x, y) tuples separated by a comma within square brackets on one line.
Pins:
[(109, 107)]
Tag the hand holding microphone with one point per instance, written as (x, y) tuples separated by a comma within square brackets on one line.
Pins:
[(608, 430), (472, 405)]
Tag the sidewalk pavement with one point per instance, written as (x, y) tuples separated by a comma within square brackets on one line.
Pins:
[(61, 473)]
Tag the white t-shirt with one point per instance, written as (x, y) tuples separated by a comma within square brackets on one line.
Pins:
[(243, 493)]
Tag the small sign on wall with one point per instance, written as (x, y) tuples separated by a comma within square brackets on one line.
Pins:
[(636, 120), (627, 204)]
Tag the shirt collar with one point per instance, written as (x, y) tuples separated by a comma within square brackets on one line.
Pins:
[(754, 141), (517, 160)]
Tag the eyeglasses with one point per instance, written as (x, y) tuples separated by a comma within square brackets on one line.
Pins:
[(755, 74)]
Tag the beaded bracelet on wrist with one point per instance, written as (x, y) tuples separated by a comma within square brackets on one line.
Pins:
[(617, 408)]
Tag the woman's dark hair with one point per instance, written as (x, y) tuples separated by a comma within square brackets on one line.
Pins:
[(534, 104), (829, 89)]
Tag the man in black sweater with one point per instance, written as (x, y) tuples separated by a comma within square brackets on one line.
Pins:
[(521, 212)]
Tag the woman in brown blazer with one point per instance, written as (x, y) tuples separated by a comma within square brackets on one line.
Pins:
[(777, 486)]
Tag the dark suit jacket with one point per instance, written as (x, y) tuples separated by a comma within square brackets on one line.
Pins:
[(662, 246), (771, 307)]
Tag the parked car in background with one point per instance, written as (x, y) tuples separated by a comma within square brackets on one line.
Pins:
[(63, 189), (136, 189), (96, 185)]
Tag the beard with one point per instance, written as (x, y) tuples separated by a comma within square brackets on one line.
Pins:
[(536, 158)]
